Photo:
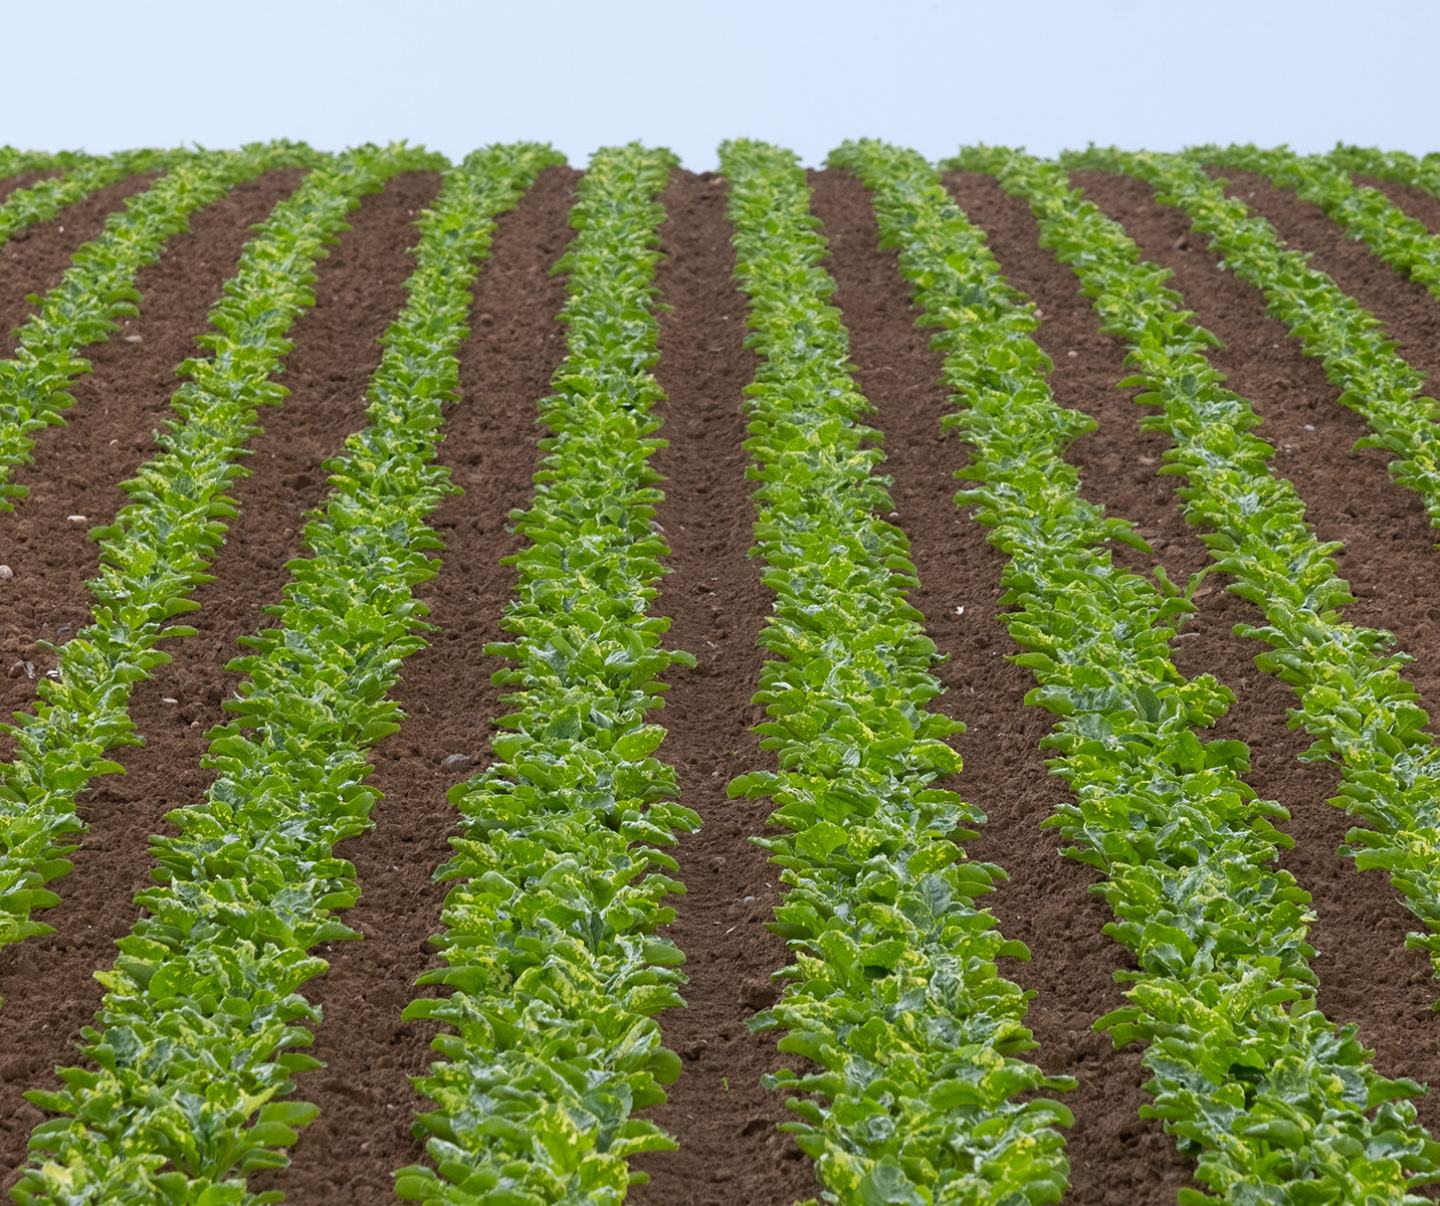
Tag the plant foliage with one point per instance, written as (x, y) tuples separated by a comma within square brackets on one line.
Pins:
[(1354, 700), (44, 199), (155, 553), (99, 289), (1367, 214)]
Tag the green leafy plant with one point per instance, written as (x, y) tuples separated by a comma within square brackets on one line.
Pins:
[(919, 1093), (553, 970), (45, 199), (156, 552), (1357, 353), (1274, 1102), (1355, 702), (203, 1021)]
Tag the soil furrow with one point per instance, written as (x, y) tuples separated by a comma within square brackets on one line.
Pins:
[(1366, 975), (1416, 202), (34, 260), (1115, 1156), (723, 1118), (362, 1135), (45, 984), (108, 435)]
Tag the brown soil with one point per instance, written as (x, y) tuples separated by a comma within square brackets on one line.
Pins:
[(109, 433), (362, 1136), (723, 1117), (46, 983), (1366, 976), (34, 260)]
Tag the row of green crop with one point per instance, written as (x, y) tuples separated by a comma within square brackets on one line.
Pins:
[(203, 1019), (15, 162), (1403, 242), (1397, 167), (99, 288), (1357, 353), (43, 200), (1273, 1101), (552, 963), (1354, 700), (917, 1093), (155, 553)]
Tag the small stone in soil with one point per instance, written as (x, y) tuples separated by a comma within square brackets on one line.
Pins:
[(758, 993), (453, 761), (6, 573)]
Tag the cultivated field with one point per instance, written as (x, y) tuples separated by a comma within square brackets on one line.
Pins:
[(535, 619)]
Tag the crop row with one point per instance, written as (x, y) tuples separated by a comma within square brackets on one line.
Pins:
[(1397, 167), (918, 1092), (1355, 702), (99, 288), (201, 1026), (560, 874), (1357, 353), (1367, 214), (1274, 1102), (44, 199), (15, 162), (155, 553)]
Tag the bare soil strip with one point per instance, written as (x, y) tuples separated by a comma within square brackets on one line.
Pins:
[(351, 1151), (725, 1121), (108, 435), (46, 986), (1366, 975), (34, 260)]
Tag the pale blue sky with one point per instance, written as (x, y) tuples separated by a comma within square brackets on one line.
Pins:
[(805, 73)]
